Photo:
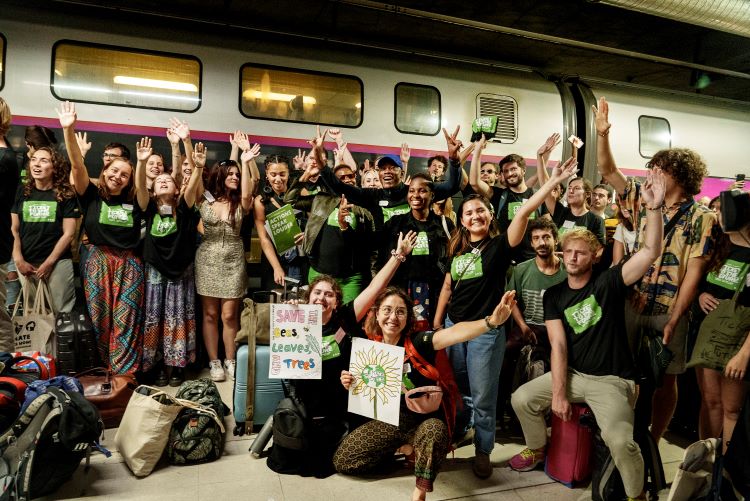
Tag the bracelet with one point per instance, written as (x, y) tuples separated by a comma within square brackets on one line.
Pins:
[(605, 133), (489, 325), (398, 256), (658, 207)]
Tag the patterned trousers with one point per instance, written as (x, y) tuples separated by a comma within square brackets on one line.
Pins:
[(113, 284), (375, 442)]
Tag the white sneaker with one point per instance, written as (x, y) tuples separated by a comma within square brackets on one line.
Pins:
[(216, 371), (229, 366)]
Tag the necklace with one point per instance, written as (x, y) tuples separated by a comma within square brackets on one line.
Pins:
[(478, 248)]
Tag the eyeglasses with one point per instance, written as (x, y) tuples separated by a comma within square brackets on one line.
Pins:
[(344, 177), (110, 155), (387, 310)]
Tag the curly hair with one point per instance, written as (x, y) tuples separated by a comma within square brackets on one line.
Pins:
[(509, 159), (371, 326), (60, 176), (543, 224), (581, 234), (217, 186), (459, 241), (128, 191), (684, 165), (330, 281)]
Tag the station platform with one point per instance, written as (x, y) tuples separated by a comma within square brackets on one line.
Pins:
[(239, 476)]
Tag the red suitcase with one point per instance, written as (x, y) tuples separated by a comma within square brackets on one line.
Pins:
[(569, 450)]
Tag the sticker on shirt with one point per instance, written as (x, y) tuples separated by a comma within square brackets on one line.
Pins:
[(514, 207), (163, 226), (389, 212), (731, 275), (116, 215), (37, 211), (333, 219), (330, 348), (584, 315), (422, 247), (466, 266)]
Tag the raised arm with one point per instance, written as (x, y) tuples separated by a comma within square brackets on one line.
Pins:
[(452, 182), (79, 176), (475, 181), (652, 194), (194, 187), (465, 331), (604, 158), (83, 143), (542, 157), (234, 154), (517, 227), (247, 179), (365, 299), (174, 144), (405, 156), (344, 155), (143, 152)]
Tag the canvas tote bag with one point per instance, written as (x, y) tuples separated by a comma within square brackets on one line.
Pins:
[(34, 329)]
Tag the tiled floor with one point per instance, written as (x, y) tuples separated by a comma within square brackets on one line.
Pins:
[(238, 475)]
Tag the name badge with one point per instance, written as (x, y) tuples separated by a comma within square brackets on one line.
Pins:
[(568, 224), (383, 203), (165, 210), (127, 206), (209, 197)]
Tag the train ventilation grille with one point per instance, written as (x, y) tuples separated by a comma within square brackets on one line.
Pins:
[(505, 108)]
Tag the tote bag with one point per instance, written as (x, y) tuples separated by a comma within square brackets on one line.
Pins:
[(145, 426), (34, 329)]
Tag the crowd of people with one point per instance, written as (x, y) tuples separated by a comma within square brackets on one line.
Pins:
[(581, 271)]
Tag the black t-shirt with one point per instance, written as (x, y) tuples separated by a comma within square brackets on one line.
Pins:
[(478, 282), (41, 223), (513, 202), (732, 276), (334, 250), (115, 222), (566, 220), (428, 260), (8, 186), (326, 396), (594, 321), (170, 242)]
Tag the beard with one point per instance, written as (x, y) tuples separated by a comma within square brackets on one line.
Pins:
[(543, 251)]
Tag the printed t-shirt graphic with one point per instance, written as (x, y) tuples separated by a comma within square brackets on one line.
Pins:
[(38, 211), (731, 275), (466, 266), (116, 215), (584, 315)]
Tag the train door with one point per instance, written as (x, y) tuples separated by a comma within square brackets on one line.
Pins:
[(577, 99)]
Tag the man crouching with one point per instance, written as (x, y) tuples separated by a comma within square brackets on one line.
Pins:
[(591, 361)]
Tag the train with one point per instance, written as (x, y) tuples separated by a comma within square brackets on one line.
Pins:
[(130, 81)]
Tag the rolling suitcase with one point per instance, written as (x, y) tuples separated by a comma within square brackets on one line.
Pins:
[(76, 343), (266, 395), (569, 450)]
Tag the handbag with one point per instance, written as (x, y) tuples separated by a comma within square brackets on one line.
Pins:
[(110, 393), (34, 329), (144, 429), (424, 399), (721, 334)]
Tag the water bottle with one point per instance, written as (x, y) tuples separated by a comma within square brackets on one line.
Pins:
[(264, 435)]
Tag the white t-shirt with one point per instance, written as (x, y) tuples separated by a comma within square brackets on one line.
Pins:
[(625, 237)]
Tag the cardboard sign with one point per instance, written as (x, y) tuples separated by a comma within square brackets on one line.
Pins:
[(296, 342), (378, 371)]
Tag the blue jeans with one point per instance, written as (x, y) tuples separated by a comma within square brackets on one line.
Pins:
[(476, 365)]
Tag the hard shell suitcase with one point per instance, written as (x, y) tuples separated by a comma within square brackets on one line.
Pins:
[(76, 343), (569, 451), (266, 395)]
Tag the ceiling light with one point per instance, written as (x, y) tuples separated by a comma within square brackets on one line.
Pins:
[(276, 96), (155, 84)]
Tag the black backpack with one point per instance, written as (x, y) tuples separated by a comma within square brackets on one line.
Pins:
[(45, 445), (197, 434)]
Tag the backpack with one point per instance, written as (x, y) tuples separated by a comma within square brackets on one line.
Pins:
[(13, 384), (45, 445), (197, 434), (532, 363), (36, 388)]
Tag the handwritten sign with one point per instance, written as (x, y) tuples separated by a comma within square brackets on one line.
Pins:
[(378, 371), (283, 227), (296, 341)]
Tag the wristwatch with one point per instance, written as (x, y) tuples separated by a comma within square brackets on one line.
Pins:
[(489, 325)]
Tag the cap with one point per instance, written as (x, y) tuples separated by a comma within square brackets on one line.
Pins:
[(388, 159)]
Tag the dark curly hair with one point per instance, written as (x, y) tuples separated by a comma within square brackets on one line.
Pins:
[(371, 326), (330, 281), (686, 167), (543, 224), (509, 159), (60, 176), (218, 188)]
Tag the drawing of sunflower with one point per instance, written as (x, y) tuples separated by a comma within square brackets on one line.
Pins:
[(378, 376)]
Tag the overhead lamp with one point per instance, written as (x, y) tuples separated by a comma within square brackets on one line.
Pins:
[(358, 106), (276, 96), (155, 84)]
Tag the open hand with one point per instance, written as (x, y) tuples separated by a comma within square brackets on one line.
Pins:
[(601, 117), (502, 311), (707, 302), (179, 128), (172, 137), (83, 144), (241, 140), (199, 155), (406, 244), (561, 172), (549, 145), (250, 154), (405, 154), (67, 114), (143, 149), (654, 189)]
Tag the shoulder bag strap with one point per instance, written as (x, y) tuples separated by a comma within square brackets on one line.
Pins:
[(501, 202), (445, 227), (476, 256), (423, 366), (673, 222)]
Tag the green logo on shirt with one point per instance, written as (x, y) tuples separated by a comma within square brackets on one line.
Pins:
[(163, 226), (514, 207), (584, 315), (466, 266), (422, 248), (731, 275), (333, 219), (116, 215), (389, 212), (36, 211), (330, 348)]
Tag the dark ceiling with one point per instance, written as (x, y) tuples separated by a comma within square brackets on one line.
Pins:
[(410, 27)]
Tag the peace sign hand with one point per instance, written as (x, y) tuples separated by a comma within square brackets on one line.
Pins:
[(454, 144)]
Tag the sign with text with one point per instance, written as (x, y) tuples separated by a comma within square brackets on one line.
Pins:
[(296, 340), (283, 228)]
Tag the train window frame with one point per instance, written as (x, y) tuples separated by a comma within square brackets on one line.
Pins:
[(119, 48), (307, 72), (3, 61), (641, 137), (395, 109)]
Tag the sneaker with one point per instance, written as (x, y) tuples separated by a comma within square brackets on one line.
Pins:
[(526, 460), (229, 366), (482, 467), (216, 371)]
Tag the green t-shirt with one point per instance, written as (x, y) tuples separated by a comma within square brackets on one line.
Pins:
[(530, 285)]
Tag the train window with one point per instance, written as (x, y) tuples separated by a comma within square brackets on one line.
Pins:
[(294, 95), (505, 108), (417, 109), (654, 134), (104, 74), (2, 60)]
